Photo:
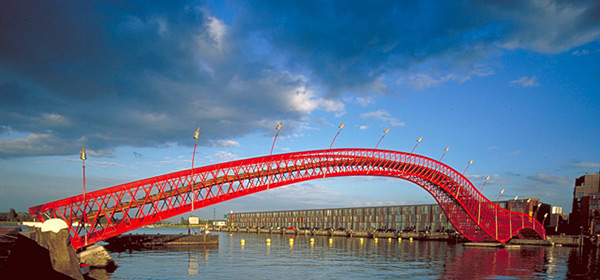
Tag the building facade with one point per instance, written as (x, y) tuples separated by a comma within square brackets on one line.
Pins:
[(426, 217), (585, 216)]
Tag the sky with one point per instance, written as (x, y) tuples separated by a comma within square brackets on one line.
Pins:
[(512, 85)]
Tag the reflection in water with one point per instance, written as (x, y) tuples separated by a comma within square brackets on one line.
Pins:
[(193, 264), (321, 257), (584, 264), (482, 262)]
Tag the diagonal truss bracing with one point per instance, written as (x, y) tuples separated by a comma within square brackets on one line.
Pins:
[(115, 210)]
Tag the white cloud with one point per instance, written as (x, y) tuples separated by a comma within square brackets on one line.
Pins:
[(228, 143), (216, 29), (223, 156), (585, 164), (364, 101), (526, 82), (363, 127), (422, 81), (303, 100), (382, 115), (580, 52), (329, 105), (54, 119)]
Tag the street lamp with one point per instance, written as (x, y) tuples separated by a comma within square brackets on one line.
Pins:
[(196, 135), (479, 209), (486, 180), (510, 214), (535, 213), (83, 157), (384, 133), (544, 220), (470, 162), (341, 126), (523, 216), (278, 127), (445, 151), (418, 141), (497, 200)]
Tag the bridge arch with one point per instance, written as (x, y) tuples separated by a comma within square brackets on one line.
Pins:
[(118, 209)]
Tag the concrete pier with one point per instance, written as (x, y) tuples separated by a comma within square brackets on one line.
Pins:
[(37, 255)]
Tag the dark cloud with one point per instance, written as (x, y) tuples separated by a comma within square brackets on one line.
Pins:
[(349, 45), (148, 73)]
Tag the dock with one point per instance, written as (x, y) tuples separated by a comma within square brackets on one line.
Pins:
[(145, 241)]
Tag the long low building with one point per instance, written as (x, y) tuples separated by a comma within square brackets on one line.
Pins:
[(400, 217)]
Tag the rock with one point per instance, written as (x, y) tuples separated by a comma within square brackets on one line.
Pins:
[(97, 257)]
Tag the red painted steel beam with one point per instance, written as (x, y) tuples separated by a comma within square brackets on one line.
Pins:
[(115, 210)]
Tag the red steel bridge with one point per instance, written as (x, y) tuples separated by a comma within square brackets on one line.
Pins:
[(115, 210)]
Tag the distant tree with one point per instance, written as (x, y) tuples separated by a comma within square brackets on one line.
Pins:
[(24, 217), (12, 215), (184, 221)]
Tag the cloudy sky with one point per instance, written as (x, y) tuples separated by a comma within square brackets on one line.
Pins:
[(513, 85)]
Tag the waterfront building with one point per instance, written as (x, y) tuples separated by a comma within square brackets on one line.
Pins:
[(558, 222), (585, 216), (423, 217)]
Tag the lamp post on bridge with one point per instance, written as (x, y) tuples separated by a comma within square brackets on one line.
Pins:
[(497, 201), (196, 135), (277, 128), (83, 157), (384, 133), (418, 141), (523, 216), (510, 214), (479, 210), (341, 126), (445, 151), (535, 213), (544, 220), (469, 164)]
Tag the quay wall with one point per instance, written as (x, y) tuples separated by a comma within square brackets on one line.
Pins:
[(552, 240), (347, 233)]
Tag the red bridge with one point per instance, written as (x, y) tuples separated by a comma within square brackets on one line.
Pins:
[(115, 210)]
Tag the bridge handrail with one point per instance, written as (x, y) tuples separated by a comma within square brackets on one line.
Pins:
[(265, 170)]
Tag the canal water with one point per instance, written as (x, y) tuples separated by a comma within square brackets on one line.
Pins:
[(349, 258)]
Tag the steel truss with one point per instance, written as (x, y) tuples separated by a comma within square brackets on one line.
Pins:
[(122, 208)]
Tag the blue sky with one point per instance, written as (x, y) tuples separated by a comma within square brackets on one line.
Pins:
[(513, 85)]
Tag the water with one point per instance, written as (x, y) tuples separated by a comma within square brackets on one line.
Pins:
[(349, 258)]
